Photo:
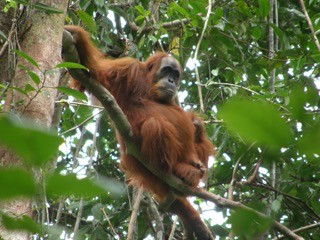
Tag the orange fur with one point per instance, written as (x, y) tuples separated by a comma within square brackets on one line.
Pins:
[(165, 134), (203, 145)]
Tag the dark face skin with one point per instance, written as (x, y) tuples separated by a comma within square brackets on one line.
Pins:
[(166, 79)]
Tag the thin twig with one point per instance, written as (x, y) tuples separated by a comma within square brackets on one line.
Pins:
[(108, 220), (316, 216), (79, 215), (59, 212), (233, 178), (196, 52), (90, 167), (168, 25), (156, 216), (82, 123), (63, 101), (272, 79), (223, 202), (12, 31), (75, 161), (232, 85), (173, 229), (276, 19), (254, 175), (315, 39), (134, 214), (308, 227), (244, 88), (271, 45), (233, 183)]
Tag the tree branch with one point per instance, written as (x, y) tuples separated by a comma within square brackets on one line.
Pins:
[(305, 228), (122, 125), (79, 215), (134, 214), (226, 203), (155, 217), (167, 25)]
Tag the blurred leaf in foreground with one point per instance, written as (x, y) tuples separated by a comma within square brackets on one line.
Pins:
[(15, 182), (256, 122), (35, 146)]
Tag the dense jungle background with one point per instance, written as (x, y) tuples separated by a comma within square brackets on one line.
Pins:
[(251, 70)]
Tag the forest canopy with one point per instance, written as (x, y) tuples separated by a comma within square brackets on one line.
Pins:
[(249, 68)]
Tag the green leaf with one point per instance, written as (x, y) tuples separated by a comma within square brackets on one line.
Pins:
[(59, 185), (264, 8), (243, 7), (41, 7), (295, 11), (282, 37), (140, 9), (35, 146), (24, 2), (114, 187), (297, 102), (256, 122), (71, 65), (152, 38), (3, 36), (74, 93), (256, 33), (300, 63), (214, 72), (34, 77), (217, 16), (300, 97), (26, 57), (15, 182), (276, 204), (96, 211), (20, 90), (83, 114), (99, 3), (140, 17), (247, 224), (87, 20), (24, 223), (29, 88), (176, 8), (309, 143), (47, 9)]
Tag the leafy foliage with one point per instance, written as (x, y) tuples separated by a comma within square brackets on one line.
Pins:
[(25, 223), (253, 121), (257, 122), (16, 182), (33, 145)]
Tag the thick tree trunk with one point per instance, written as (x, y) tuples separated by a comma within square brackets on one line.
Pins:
[(42, 41)]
